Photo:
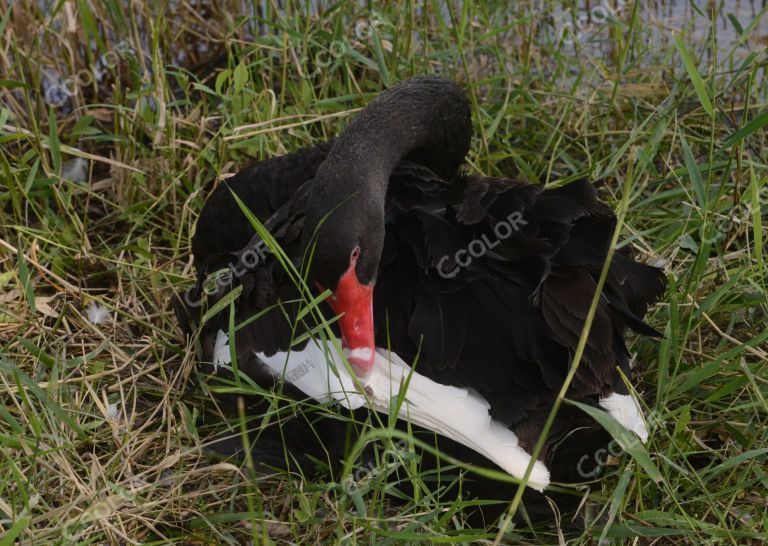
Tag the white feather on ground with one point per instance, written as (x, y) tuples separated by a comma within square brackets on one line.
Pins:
[(455, 413), (75, 170), (97, 314)]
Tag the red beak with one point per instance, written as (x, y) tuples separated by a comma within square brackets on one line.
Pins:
[(354, 301)]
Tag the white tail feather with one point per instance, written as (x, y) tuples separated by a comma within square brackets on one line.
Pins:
[(625, 409)]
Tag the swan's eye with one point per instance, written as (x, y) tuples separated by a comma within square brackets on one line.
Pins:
[(355, 253)]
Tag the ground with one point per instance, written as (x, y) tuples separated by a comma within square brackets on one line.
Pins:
[(115, 116)]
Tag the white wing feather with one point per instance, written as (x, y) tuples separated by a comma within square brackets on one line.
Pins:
[(458, 414)]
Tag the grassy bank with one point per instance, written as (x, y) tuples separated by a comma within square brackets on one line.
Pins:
[(114, 116)]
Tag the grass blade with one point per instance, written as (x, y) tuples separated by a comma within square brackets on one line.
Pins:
[(694, 173), (757, 123), (693, 73)]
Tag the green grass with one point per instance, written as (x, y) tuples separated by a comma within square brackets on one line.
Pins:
[(101, 428)]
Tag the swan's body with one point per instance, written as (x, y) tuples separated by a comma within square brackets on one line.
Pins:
[(496, 331)]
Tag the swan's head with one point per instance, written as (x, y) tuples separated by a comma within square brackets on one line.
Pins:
[(425, 119), (344, 236)]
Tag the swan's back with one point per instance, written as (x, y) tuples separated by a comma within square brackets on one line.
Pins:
[(263, 187)]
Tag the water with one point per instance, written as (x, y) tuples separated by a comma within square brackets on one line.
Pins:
[(586, 31), (590, 24)]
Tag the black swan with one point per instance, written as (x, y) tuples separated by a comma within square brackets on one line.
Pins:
[(483, 283)]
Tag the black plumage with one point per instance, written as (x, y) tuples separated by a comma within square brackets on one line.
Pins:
[(505, 324)]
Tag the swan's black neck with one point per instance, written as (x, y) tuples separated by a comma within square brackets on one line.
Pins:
[(425, 119)]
